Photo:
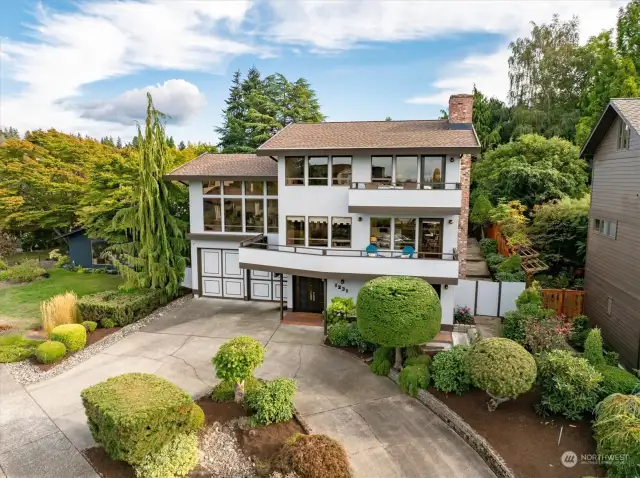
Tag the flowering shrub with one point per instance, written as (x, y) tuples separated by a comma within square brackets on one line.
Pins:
[(462, 315), (548, 333)]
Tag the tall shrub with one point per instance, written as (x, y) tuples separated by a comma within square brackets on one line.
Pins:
[(398, 312), (593, 347), (155, 256)]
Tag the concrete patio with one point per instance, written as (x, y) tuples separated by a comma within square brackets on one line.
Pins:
[(386, 433)]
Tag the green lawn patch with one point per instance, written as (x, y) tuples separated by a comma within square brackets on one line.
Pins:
[(23, 302)]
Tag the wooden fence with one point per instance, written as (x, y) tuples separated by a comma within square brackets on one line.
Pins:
[(494, 233), (564, 301)]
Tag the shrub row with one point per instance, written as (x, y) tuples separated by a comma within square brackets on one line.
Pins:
[(15, 348), (343, 334), (25, 271), (121, 307)]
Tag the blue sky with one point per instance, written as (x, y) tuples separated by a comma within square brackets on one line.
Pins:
[(84, 66)]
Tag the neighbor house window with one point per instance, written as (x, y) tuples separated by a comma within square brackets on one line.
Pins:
[(211, 187), (272, 215), (318, 170), (212, 212), (254, 215), (254, 188), (272, 188), (407, 170), (341, 170), (294, 170), (341, 232), (432, 170), (404, 233), (318, 231), (382, 169), (233, 188), (233, 215), (605, 228), (381, 232), (97, 248), (624, 134), (295, 230)]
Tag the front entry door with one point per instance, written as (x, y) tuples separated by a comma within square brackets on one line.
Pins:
[(309, 294)]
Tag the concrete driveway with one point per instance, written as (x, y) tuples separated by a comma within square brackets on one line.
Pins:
[(386, 433)]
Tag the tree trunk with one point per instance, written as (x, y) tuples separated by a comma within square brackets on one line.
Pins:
[(495, 401), (398, 364), (239, 396)]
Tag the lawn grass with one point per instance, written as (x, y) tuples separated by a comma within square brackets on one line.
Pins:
[(20, 305)]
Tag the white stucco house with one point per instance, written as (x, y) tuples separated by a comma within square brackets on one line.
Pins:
[(323, 207)]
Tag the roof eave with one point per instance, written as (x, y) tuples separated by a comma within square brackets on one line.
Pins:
[(591, 144), (202, 177), (412, 149)]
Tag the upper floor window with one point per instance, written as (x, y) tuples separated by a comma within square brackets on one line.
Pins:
[(295, 230), (407, 171), (272, 188), (341, 232), (624, 134), (211, 187), (341, 170), (294, 170), (254, 188), (432, 170), (232, 188), (212, 214), (318, 231), (606, 228), (380, 232), (318, 170), (382, 169)]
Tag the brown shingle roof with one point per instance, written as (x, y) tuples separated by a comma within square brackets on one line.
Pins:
[(372, 135), (629, 108), (226, 166)]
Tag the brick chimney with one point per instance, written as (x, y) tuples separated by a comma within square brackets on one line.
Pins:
[(460, 108), (461, 111)]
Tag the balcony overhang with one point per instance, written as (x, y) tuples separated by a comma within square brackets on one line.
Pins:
[(401, 200)]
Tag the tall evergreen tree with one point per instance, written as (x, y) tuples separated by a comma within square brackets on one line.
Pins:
[(157, 235), (170, 142), (181, 146), (119, 143)]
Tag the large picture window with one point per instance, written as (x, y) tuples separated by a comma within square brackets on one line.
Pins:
[(295, 230), (212, 212), (318, 231), (272, 215), (294, 170), (318, 170), (233, 215), (341, 170), (381, 232), (404, 233), (407, 171), (432, 171), (254, 211), (341, 232), (382, 169), (97, 248)]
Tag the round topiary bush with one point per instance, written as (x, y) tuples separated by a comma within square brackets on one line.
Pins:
[(398, 312), (236, 360), (313, 456), (50, 351), (73, 336), (90, 325), (450, 370), (176, 458), (108, 323), (502, 368)]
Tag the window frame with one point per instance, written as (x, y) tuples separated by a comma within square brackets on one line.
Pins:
[(624, 136), (93, 261), (220, 200), (603, 227), (393, 169), (304, 231), (347, 246), (317, 180), (333, 178), (377, 243), (304, 172), (247, 228), (308, 229)]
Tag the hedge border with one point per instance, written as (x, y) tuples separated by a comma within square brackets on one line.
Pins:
[(464, 430)]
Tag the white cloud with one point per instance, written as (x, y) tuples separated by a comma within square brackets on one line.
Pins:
[(178, 99), (104, 39)]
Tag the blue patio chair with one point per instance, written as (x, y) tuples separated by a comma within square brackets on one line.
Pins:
[(407, 252), (371, 250)]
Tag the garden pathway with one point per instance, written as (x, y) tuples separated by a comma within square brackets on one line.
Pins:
[(386, 433)]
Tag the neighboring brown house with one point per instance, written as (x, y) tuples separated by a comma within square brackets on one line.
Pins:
[(612, 281)]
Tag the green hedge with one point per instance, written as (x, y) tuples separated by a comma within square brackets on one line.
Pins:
[(123, 308), (73, 336), (272, 402), (450, 371), (176, 458), (15, 348), (26, 271), (414, 377), (616, 380), (50, 352), (133, 415), (488, 246)]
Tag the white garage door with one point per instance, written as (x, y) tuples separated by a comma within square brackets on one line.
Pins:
[(266, 286), (221, 274)]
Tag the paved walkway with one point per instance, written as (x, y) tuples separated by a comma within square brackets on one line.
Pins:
[(386, 433)]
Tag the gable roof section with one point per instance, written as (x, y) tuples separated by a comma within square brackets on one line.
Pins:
[(412, 134), (228, 166), (627, 108)]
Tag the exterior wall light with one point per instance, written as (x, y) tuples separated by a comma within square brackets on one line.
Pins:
[(450, 221)]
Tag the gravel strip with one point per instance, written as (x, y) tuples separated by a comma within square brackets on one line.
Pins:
[(24, 372), (220, 455)]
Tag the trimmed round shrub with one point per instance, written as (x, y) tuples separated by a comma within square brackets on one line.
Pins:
[(272, 402), (135, 414), (616, 380), (313, 456), (236, 360), (381, 364), (421, 359), (398, 311), (225, 391), (593, 347), (89, 325), (50, 352), (176, 458), (413, 378), (450, 370), (73, 336), (502, 368), (568, 384), (616, 430), (108, 323)]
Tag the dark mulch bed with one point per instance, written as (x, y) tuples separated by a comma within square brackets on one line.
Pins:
[(95, 336), (527, 442), (260, 443), (351, 350)]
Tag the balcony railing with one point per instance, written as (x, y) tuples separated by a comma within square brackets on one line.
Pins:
[(374, 185)]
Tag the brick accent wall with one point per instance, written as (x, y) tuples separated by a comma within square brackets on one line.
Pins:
[(461, 111)]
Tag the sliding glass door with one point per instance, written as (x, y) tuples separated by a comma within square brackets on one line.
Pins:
[(430, 243)]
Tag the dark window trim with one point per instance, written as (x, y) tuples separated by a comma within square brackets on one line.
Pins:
[(624, 133), (332, 183), (304, 171), (603, 234)]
